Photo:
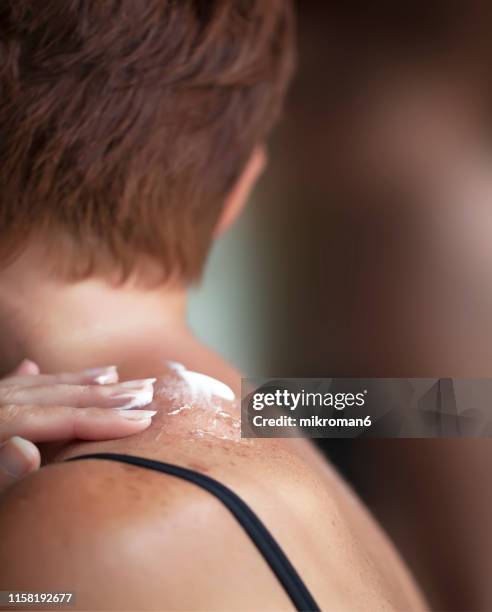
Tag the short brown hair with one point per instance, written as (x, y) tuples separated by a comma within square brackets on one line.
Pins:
[(123, 123)]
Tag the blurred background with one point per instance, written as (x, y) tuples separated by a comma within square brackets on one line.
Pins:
[(366, 251)]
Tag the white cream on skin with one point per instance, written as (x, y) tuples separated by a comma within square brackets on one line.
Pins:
[(202, 384), (206, 405)]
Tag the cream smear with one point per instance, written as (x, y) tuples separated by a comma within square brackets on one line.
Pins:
[(206, 406), (202, 384)]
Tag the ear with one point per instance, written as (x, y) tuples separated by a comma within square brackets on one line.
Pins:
[(239, 194)]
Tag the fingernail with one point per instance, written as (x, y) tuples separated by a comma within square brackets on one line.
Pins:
[(138, 383), (15, 457), (137, 415), (137, 399), (102, 376)]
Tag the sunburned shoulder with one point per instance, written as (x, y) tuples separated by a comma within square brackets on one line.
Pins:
[(124, 538)]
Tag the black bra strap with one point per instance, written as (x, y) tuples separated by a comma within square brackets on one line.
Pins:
[(258, 533)]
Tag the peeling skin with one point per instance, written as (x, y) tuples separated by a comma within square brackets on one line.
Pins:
[(195, 405), (190, 408)]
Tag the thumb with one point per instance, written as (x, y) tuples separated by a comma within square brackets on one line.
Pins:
[(18, 457)]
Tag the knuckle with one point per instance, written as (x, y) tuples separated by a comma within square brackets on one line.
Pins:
[(8, 394), (9, 413)]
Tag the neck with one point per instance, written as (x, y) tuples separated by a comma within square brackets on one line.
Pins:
[(68, 327)]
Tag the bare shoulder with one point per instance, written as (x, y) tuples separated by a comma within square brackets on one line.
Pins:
[(127, 539)]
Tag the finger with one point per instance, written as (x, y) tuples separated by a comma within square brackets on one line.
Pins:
[(26, 368), (54, 423), (132, 394), (18, 457), (93, 376)]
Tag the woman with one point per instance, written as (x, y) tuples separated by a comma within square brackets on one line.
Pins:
[(132, 134)]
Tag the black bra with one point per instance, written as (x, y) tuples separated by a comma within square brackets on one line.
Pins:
[(258, 533)]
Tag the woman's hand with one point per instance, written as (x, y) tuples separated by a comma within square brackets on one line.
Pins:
[(90, 405)]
